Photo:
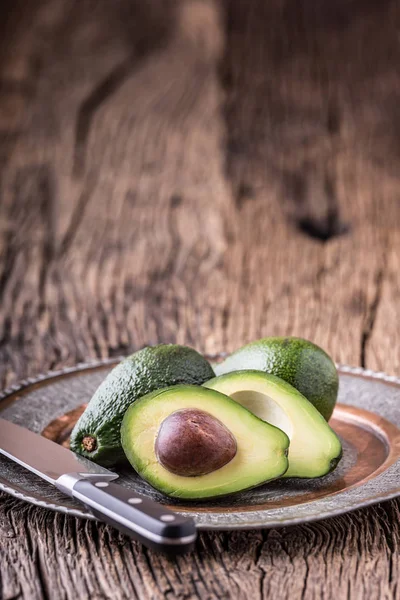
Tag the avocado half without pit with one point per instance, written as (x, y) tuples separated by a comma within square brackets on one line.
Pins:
[(191, 442), (315, 449)]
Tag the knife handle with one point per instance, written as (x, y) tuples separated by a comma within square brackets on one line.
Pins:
[(151, 523)]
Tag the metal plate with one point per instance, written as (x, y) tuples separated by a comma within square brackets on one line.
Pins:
[(367, 419)]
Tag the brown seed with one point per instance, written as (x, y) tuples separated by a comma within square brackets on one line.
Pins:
[(192, 442)]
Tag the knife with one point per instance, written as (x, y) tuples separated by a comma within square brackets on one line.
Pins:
[(141, 518)]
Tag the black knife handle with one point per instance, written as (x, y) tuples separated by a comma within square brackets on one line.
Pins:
[(152, 524)]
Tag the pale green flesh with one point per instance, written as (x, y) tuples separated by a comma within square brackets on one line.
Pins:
[(314, 447), (261, 448)]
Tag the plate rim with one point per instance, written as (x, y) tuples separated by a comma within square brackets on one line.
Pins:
[(344, 369)]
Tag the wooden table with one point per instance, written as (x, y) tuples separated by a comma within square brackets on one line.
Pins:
[(206, 173)]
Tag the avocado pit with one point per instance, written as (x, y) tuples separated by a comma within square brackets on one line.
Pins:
[(191, 442)]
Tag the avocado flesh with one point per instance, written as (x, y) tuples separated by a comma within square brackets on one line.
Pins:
[(314, 447), (261, 448), (97, 433), (297, 361)]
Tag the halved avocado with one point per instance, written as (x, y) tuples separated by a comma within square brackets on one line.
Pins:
[(191, 442), (315, 449)]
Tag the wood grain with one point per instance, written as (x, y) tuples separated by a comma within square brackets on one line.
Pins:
[(208, 173)]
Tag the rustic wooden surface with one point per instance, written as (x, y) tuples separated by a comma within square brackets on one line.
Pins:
[(208, 173)]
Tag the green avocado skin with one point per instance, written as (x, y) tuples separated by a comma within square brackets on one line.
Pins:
[(143, 372), (295, 360)]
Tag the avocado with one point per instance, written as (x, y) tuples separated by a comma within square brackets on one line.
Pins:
[(295, 360), (191, 442), (315, 450), (97, 433)]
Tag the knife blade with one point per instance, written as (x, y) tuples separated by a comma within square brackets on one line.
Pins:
[(151, 523)]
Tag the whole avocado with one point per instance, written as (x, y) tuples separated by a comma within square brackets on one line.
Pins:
[(97, 433), (298, 361)]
